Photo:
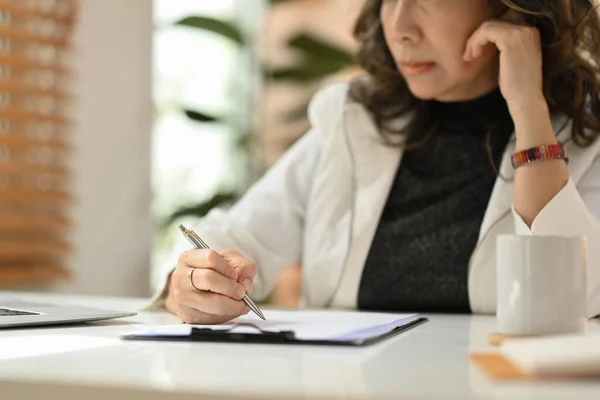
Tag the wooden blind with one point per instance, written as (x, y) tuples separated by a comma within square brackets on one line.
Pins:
[(35, 38)]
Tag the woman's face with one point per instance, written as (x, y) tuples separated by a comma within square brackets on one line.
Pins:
[(427, 39)]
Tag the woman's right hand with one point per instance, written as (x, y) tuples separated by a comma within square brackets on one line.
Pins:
[(222, 281)]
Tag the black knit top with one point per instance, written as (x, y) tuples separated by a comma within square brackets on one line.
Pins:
[(419, 257)]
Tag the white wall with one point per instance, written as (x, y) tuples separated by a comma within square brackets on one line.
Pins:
[(112, 136)]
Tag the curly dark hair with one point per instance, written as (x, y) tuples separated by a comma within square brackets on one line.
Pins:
[(570, 36)]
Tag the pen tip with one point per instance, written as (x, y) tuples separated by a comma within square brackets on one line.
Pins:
[(183, 228)]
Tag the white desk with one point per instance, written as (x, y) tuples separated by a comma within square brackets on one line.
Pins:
[(91, 362)]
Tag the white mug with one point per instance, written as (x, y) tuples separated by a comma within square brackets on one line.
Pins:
[(541, 284)]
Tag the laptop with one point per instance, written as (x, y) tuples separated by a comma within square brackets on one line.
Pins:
[(16, 313)]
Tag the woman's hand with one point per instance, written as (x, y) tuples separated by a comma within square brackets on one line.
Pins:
[(222, 281), (520, 77), (521, 84)]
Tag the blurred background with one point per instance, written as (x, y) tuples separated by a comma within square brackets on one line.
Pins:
[(121, 119)]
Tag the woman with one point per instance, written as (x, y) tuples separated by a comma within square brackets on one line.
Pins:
[(394, 198)]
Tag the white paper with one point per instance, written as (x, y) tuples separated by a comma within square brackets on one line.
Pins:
[(306, 325)]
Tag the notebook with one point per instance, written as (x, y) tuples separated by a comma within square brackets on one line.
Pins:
[(295, 327), (559, 356)]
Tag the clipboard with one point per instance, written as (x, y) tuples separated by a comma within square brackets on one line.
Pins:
[(262, 336)]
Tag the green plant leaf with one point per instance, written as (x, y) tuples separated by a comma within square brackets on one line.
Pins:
[(245, 141), (201, 209), (304, 73), (314, 47), (222, 28), (294, 74), (201, 117)]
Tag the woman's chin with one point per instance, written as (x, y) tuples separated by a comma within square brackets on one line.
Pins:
[(436, 92), (423, 92)]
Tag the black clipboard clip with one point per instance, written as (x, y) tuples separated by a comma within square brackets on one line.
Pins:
[(230, 335)]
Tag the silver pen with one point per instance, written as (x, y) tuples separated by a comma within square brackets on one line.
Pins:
[(201, 244)]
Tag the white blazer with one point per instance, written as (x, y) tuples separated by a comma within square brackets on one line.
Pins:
[(321, 203)]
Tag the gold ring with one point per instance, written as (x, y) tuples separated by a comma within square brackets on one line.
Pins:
[(191, 280)]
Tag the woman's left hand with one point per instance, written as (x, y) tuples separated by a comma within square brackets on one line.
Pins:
[(520, 76)]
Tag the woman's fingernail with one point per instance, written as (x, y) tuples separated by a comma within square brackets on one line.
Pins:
[(240, 292), (247, 283), (247, 310)]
